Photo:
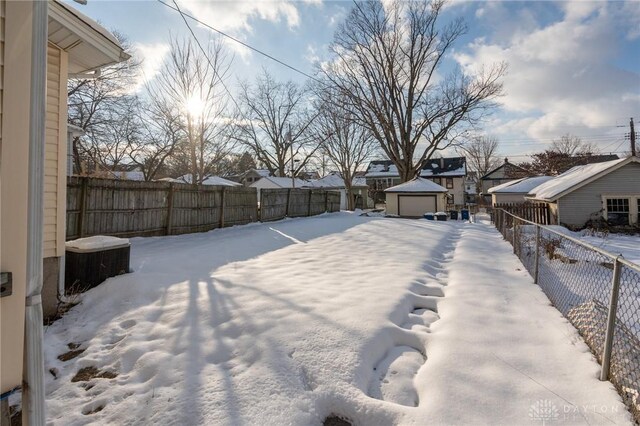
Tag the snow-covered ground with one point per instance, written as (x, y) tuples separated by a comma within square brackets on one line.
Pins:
[(378, 320), (626, 245)]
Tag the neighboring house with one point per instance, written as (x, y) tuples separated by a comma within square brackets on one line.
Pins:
[(515, 191), (415, 198), (448, 172), (211, 180), (254, 175), (334, 182), (506, 172), (470, 189), (272, 182), (608, 190), (308, 175), (136, 175), (76, 45)]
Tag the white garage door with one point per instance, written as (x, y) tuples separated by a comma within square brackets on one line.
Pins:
[(416, 205)]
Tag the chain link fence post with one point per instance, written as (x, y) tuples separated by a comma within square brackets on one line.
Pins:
[(611, 320)]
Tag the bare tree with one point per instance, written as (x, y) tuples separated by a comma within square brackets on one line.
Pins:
[(481, 153), (346, 144), (98, 106), (190, 102), (160, 134), (386, 58), (277, 125), (572, 145)]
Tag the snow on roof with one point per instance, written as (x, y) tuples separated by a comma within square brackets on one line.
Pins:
[(417, 184), (572, 178), (519, 186), (130, 175), (452, 166), (282, 182), (335, 181), (211, 180)]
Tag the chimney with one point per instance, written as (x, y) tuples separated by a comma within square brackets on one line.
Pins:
[(442, 163), (506, 160)]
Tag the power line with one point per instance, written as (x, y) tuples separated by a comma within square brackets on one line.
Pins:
[(215, 71), (291, 67)]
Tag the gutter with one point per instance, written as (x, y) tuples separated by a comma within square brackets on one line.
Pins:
[(33, 411)]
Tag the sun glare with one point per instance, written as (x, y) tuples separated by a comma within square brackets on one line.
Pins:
[(195, 106)]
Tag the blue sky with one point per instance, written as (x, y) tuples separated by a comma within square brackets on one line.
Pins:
[(574, 67)]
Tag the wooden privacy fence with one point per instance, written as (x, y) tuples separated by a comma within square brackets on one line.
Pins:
[(538, 213), (277, 204), (131, 208)]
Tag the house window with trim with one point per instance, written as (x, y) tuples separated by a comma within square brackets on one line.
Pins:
[(449, 183), (617, 211), (437, 180), (450, 199)]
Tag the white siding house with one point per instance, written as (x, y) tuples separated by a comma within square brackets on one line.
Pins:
[(608, 190)]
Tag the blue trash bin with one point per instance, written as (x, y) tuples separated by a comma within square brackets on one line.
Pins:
[(464, 214), (429, 216)]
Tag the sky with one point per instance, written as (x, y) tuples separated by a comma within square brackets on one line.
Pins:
[(573, 67)]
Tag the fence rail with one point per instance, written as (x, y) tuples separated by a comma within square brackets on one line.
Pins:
[(131, 208), (597, 291)]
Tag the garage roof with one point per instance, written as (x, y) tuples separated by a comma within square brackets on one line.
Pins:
[(417, 185)]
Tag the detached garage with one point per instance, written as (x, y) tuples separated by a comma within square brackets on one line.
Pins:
[(415, 198)]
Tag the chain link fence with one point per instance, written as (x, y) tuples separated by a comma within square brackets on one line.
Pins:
[(597, 291)]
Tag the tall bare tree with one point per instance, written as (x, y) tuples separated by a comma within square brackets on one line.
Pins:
[(572, 145), (346, 144), (385, 59), (190, 102), (101, 105), (277, 124), (481, 153)]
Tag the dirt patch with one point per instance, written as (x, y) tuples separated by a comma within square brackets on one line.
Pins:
[(96, 409), (88, 373), (335, 421), (70, 355)]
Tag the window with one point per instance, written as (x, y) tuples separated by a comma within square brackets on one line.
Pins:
[(618, 211), (449, 183), (437, 180), (450, 199)]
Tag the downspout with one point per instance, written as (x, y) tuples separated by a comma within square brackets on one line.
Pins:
[(33, 408)]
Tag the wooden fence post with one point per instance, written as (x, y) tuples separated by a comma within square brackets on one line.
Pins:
[(222, 208), (260, 207), (326, 201), (309, 203), (288, 202), (169, 209), (84, 188)]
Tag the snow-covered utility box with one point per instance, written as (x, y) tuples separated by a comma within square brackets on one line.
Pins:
[(90, 261)]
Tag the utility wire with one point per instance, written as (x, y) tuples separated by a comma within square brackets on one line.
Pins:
[(291, 67), (205, 54)]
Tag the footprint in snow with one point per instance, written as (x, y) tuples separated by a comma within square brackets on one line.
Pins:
[(394, 374)]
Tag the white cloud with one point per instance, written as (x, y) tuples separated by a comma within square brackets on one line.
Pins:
[(562, 73), (236, 15), (152, 56)]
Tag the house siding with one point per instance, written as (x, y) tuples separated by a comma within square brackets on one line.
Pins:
[(55, 154), (507, 198), (16, 82), (577, 207), (2, 7)]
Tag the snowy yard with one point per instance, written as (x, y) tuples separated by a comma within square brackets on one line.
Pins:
[(380, 321)]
